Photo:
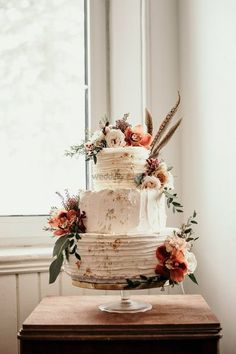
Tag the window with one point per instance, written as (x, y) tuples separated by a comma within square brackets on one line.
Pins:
[(43, 108)]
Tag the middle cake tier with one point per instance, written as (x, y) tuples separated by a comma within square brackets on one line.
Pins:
[(123, 210)]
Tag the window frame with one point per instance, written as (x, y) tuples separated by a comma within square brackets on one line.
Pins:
[(27, 230)]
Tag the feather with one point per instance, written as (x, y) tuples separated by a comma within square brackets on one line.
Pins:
[(165, 124), (148, 121), (165, 140)]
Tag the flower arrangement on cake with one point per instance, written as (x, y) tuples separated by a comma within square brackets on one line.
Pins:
[(116, 233)]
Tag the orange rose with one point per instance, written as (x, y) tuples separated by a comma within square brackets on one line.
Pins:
[(163, 271), (136, 137), (177, 266), (62, 221), (172, 265), (162, 254)]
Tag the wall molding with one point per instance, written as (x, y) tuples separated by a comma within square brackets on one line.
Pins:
[(25, 260)]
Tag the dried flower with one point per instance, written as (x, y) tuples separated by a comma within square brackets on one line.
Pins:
[(122, 123), (151, 165)]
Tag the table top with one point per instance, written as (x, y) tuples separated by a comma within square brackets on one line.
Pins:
[(79, 315)]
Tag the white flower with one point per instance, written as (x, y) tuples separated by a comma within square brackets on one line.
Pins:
[(97, 137), (115, 138), (151, 182), (191, 261)]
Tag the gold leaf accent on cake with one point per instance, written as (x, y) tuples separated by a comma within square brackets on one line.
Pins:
[(116, 244), (88, 271), (78, 263), (110, 214)]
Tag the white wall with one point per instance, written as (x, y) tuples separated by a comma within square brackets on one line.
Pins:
[(144, 67), (163, 78), (208, 78)]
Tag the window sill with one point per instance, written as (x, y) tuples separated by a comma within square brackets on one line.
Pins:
[(25, 259)]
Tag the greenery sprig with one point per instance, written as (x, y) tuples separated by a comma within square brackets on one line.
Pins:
[(171, 200), (143, 280), (187, 232), (76, 150)]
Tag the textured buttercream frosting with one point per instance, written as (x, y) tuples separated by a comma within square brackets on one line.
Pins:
[(115, 257), (118, 167), (124, 210)]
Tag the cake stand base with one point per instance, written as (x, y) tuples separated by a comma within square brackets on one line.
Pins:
[(125, 305)]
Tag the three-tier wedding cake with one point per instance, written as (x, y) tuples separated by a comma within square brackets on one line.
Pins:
[(116, 232)]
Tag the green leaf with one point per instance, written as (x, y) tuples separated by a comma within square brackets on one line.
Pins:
[(77, 236), (187, 231), (55, 268), (71, 242), (193, 221), (190, 239), (77, 256), (73, 250), (143, 277), (192, 277), (95, 159), (179, 210), (194, 214), (61, 243), (138, 179), (176, 204)]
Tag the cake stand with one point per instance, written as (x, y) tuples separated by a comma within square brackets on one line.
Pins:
[(125, 305)]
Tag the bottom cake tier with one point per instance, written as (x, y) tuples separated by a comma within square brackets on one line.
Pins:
[(114, 258)]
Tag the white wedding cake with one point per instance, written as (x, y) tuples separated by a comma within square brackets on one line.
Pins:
[(116, 233)]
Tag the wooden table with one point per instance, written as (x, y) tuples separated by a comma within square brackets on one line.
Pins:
[(177, 324)]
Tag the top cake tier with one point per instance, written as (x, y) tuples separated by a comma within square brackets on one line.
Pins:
[(118, 167)]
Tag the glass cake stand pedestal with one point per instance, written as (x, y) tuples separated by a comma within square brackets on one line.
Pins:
[(125, 304)]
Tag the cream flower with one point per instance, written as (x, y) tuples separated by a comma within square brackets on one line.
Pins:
[(115, 138), (151, 182), (176, 242), (191, 261), (165, 177), (97, 137)]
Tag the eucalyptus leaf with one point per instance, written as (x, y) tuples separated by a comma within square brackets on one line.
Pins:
[(55, 268), (61, 244)]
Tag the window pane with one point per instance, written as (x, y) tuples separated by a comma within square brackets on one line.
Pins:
[(42, 95)]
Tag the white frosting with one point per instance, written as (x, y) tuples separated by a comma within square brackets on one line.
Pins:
[(109, 258), (123, 210), (117, 167)]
